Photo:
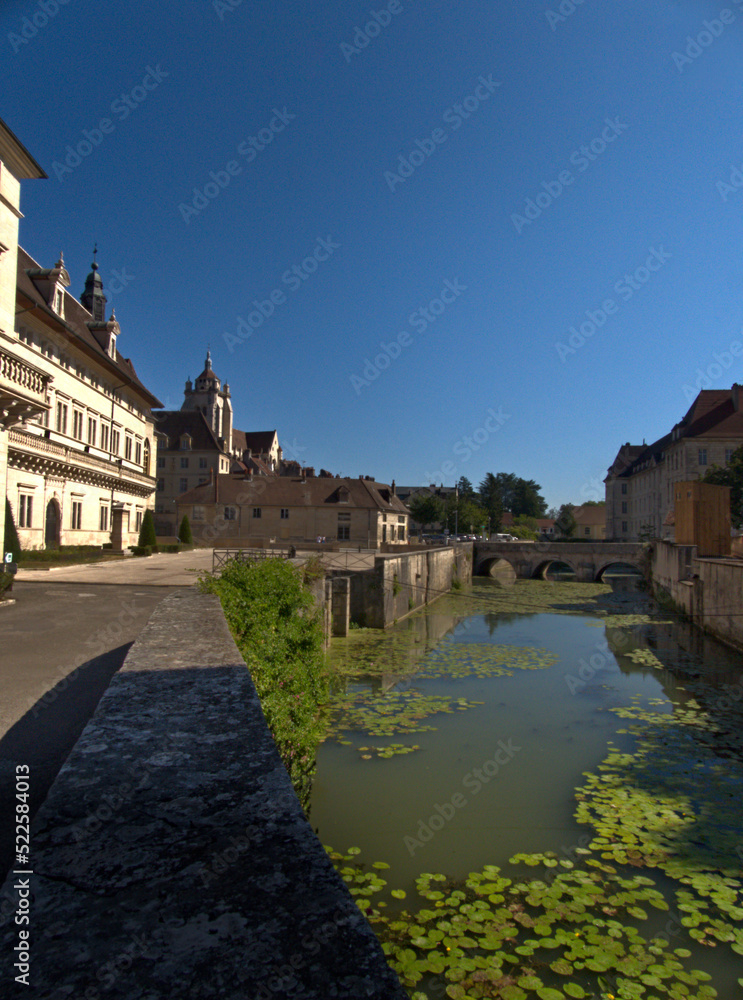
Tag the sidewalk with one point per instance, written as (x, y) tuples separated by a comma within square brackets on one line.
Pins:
[(177, 569)]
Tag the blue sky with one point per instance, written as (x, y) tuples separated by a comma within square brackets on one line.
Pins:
[(564, 170)]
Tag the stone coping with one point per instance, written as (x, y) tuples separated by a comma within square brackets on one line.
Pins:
[(172, 858)]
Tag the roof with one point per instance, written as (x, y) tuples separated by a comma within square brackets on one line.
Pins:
[(175, 423), (74, 327), (282, 491), (17, 158), (260, 442), (713, 414), (589, 514)]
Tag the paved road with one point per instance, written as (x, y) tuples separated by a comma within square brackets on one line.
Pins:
[(177, 569), (60, 645)]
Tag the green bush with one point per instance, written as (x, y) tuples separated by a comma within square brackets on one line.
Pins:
[(169, 548), (278, 630), (6, 582), (185, 534), (141, 550), (147, 536), (11, 541)]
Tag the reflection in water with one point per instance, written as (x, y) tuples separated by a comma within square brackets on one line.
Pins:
[(504, 772)]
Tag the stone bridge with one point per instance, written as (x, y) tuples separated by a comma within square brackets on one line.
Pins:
[(529, 560)]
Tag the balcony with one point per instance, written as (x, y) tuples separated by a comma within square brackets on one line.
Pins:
[(23, 390)]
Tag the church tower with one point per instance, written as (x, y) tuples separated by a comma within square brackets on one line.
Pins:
[(93, 298), (213, 401)]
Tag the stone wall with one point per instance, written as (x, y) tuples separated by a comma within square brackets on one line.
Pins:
[(172, 858), (400, 584), (708, 591)]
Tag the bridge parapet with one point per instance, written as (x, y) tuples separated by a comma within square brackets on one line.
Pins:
[(588, 560)]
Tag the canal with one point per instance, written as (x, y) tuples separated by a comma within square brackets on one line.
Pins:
[(535, 791)]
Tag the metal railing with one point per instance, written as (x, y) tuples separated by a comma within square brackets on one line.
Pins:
[(220, 557)]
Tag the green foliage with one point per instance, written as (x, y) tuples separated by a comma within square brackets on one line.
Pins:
[(465, 487), (278, 630), (426, 510), (523, 532), (6, 582), (565, 523), (11, 542), (464, 515), (396, 585), (141, 550), (507, 491), (732, 476), (185, 534), (147, 534)]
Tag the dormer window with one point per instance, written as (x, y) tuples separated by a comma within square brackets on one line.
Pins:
[(59, 302), (343, 495), (186, 442), (112, 346)]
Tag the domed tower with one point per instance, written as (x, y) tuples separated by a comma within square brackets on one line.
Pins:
[(212, 400), (93, 298)]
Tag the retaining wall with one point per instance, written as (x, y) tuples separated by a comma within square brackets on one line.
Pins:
[(708, 591), (172, 858)]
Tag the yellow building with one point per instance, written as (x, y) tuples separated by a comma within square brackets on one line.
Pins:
[(230, 511)]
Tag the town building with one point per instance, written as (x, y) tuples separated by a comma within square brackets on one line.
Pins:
[(590, 522), (78, 429), (641, 479), (199, 442), (258, 510)]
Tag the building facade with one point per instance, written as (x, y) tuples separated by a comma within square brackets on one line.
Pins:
[(257, 510), (77, 437), (199, 442), (641, 480)]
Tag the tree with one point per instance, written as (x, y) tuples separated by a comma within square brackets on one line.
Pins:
[(565, 524), (147, 534), (491, 499), (185, 534), (527, 499), (11, 542), (464, 515), (731, 475), (465, 487), (426, 509)]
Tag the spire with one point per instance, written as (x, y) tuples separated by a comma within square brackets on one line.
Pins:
[(208, 362), (93, 298)]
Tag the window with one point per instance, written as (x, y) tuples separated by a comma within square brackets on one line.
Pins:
[(160, 485), (77, 424), (62, 418), (138, 520), (77, 515), (183, 483), (401, 519), (702, 456), (586, 531), (202, 463), (26, 510), (624, 527), (624, 489), (184, 463), (185, 443), (103, 522), (624, 506), (138, 452), (728, 455), (284, 513), (344, 532), (127, 448), (115, 442), (161, 463), (401, 532), (230, 514), (104, 436), (92, 429), (198, 513), (256, 512)]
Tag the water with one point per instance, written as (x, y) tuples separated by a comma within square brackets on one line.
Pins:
[(500, 777)]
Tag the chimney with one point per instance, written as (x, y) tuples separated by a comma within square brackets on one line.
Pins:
[(394, 489)]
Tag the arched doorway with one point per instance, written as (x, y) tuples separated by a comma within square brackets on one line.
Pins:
[(52, 525)]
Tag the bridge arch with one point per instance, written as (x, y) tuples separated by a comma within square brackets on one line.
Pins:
[(630, 568), (499, 569), (541, 570)]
